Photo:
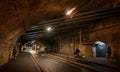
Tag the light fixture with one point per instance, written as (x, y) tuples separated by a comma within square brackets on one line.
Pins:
[(69, 12), (32, 41), (38, 46), (49, 28), (71, 44), (18, 43)]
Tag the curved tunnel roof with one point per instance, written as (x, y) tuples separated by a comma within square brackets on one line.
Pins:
[(18, 16)]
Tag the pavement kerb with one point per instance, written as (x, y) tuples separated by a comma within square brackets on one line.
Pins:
[(82, 65), (105, 65), (111, 66)]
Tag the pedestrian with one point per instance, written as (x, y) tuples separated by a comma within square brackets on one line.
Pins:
[(77, 52), (108, 53), (15, 50)]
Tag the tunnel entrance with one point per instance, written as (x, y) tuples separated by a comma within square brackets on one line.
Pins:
[(99, 49)]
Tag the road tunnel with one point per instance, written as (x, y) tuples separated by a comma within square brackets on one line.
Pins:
[(62, 26)]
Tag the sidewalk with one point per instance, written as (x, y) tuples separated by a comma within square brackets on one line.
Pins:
[(99, 61)]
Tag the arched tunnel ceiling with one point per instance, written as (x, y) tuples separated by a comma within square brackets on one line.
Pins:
[(16, 16)]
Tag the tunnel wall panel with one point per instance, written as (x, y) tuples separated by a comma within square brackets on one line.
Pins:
[(106, 30), (4, 53)]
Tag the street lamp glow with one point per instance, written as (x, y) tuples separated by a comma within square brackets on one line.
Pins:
[(49, 29), (69, 12)]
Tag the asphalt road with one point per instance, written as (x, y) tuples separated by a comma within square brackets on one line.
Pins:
[(26, 62), (97, 67), (23, 63), (55, 65)]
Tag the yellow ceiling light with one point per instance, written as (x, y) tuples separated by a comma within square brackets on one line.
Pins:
[(69, 12)]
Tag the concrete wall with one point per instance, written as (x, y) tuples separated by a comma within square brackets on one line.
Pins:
[(67, 43), (106, 30), (6, 49), (5, 52)]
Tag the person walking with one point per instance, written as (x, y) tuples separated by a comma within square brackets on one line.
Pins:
[(77, 52), (15, 50), (108, 53)]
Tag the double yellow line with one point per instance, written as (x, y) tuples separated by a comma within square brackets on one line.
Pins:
[(38, 65)]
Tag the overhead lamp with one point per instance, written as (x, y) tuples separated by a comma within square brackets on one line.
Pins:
[(33, 41), (49, 28), (69, 12)]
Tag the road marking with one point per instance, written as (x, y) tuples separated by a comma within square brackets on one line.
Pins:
[(75, 63), (63, 61), (38, 65)]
